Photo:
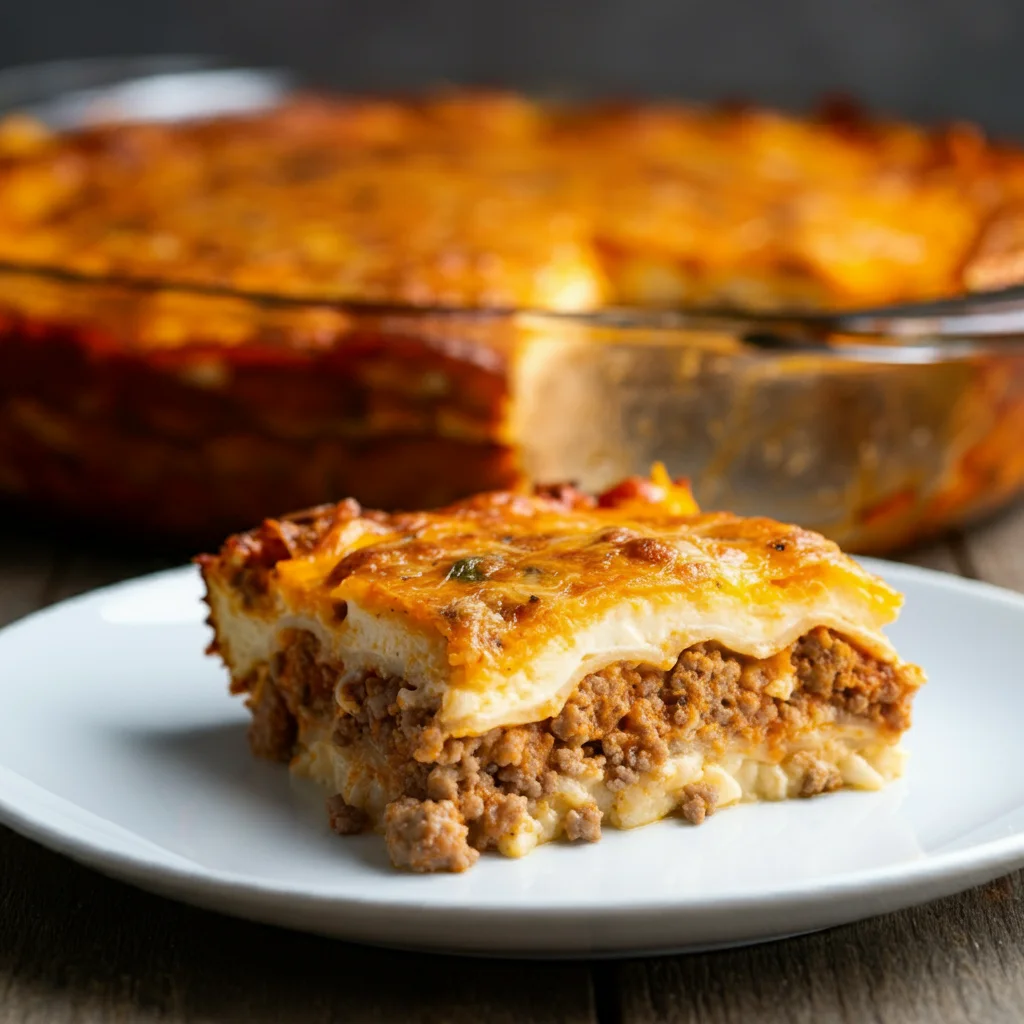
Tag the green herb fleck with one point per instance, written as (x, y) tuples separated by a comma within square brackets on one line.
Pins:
[(468, 570)]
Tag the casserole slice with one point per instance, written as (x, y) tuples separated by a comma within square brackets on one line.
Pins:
[(517, 668)]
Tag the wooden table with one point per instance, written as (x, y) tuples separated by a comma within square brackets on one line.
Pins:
[(77, 947)]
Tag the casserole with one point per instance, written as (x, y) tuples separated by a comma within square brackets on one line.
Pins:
[(205, 322)]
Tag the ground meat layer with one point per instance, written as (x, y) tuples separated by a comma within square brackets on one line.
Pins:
[(451, 798)]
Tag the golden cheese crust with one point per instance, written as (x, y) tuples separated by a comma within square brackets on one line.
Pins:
[(485, 199), (497, 606)]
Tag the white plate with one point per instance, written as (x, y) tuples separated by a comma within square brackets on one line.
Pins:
[(120, 747)]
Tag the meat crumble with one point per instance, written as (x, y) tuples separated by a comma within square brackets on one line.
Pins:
[(452, 798), (345, 819)]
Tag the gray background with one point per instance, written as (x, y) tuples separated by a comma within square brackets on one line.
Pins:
[(930, 59)]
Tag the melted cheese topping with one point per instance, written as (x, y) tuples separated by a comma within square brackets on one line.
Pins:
[(474, 199), (496, 607)]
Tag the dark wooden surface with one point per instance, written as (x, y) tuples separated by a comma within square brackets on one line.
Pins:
[(76, 947)]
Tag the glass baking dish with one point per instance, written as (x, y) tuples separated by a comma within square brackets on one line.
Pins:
[(174, 410), (190, 412)]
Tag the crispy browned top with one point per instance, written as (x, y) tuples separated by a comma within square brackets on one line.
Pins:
[(490, 199)]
